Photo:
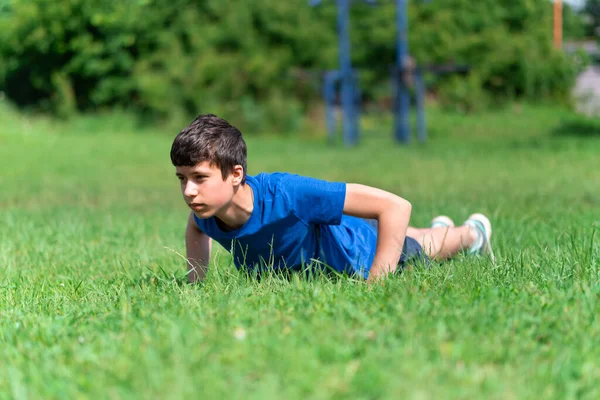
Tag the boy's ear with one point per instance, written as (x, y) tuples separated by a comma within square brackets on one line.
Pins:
[(238, 174)]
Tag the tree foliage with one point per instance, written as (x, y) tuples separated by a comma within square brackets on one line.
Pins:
[(259, 61)]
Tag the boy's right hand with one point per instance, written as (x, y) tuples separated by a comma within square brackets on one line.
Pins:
[(198, 246)]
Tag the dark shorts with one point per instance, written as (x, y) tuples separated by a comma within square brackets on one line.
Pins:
[(412, 255), (412, 252)]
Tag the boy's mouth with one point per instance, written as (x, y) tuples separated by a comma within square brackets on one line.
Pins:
[(196, 206)]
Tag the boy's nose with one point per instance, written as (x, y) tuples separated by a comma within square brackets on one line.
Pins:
[(190, 190)]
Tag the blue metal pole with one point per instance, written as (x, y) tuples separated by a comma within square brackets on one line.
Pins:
[(329, 96), (349, 117), (420, 94), (402, 104), (356, 92)]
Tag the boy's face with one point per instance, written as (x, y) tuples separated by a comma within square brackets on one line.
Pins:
[(204, 189)]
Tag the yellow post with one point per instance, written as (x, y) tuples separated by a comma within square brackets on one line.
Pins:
[(558, 24)]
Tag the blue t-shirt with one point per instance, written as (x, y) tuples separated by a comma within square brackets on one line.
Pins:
[(296, 221)]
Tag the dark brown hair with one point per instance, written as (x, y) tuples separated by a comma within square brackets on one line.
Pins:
[(210, 138)]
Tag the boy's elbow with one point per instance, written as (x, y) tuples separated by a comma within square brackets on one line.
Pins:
[(407, 208), (404, 208), (397, 205), (404, 205)]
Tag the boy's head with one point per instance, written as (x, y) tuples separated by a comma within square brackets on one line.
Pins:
[(210, 138), (210, 160)]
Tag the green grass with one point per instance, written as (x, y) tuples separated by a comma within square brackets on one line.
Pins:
[(92, 302)]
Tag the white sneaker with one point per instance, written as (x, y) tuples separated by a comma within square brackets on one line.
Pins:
[(442, 221), (483, 226)]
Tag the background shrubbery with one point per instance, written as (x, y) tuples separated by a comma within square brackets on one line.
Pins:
[(259, 62)]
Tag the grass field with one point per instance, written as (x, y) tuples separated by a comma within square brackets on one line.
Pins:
[(93, 304)]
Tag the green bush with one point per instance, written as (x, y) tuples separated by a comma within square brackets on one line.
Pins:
[(258, 62), (166, 59), (506, 43)]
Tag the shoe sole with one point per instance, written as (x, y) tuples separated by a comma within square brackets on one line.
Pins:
[(487, 226)]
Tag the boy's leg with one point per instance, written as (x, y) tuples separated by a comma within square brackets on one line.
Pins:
[(439, 221), (443, 240)]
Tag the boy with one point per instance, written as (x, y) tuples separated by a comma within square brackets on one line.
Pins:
[(283, 220)]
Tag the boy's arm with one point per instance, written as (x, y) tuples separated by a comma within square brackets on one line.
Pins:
[(197, 245), (392, 213)]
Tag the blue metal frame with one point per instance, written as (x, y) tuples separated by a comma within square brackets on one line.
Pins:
[(350, 115), (349, 85), (403, 74), (420, 100), (348, 78), (402, 103), (332, 83)]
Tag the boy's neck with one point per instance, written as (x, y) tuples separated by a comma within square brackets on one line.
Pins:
[(238, 212)]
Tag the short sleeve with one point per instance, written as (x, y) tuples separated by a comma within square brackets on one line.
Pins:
[(314, 201)]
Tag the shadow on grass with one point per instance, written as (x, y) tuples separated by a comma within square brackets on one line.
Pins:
[(573, 133), (581, 128), (157, 277)]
